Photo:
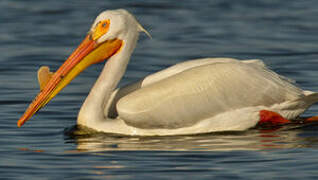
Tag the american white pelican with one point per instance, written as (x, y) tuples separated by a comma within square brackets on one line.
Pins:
[(198, 96)]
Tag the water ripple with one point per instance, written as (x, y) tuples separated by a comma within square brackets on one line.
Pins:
[(36, 33)]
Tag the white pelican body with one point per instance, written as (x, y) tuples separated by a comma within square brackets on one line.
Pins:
[(198, 96)]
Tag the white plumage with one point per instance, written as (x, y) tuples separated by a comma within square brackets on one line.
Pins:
[(198, 96), (204, 95)]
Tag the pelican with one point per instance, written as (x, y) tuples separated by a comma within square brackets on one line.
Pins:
[(193, 97)]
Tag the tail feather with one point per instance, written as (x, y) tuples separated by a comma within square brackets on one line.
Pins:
[(311, 98)]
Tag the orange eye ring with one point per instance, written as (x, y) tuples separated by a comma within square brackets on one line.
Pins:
[(101, 28)]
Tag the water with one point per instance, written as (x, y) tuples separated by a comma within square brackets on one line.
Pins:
[(35, 33)]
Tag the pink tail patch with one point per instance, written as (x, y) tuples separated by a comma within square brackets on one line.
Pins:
[(271, 118)]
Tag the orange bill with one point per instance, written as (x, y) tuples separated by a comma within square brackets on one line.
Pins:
[(88, 52)]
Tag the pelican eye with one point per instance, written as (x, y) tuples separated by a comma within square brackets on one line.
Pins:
[(101, 28)]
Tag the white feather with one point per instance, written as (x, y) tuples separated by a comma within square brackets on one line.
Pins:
[(198, 96)]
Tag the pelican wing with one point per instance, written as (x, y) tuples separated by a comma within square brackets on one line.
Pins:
[(202, 92), (110, 109)]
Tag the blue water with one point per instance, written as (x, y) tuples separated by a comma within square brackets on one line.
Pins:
[(37, 32)]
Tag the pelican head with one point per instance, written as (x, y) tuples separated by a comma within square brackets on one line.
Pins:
[(117, 23), (105, 39)]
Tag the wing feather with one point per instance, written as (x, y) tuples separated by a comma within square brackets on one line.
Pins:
[(197, 93)]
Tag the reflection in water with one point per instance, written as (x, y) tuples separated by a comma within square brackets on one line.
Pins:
[(254, 139)]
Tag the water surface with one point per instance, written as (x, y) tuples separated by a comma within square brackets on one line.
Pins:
[(35, 33)]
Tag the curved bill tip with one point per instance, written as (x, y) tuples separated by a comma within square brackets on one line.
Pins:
[(28, 114), (22, 120), (20, 123)]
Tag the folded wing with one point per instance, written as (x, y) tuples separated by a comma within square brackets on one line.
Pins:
[(201, 92)]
